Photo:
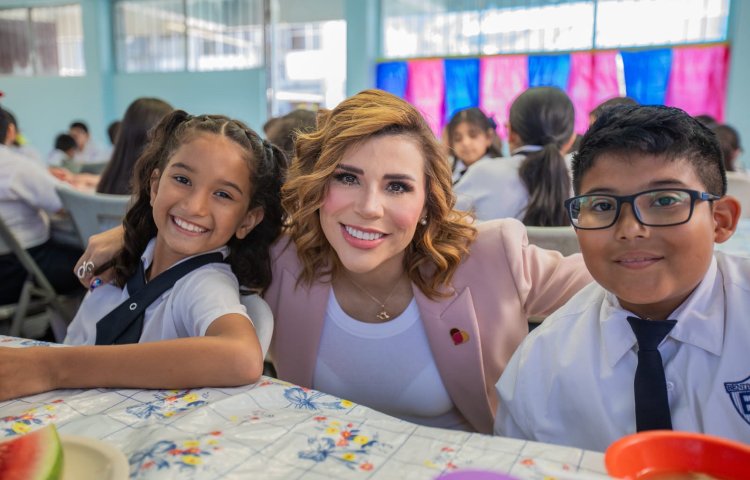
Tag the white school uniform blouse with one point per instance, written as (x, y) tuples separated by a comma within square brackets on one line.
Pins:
[(185, 310), (493, 189), (27, 191), (571, 380)]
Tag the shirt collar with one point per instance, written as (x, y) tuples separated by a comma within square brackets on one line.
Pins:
[(148, 254), (527, 149), (700, 319)]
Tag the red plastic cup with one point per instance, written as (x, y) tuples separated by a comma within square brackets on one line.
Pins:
[(648, 455)]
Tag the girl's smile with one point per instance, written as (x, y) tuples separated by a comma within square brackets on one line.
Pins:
[(190, 228), (201, 200)]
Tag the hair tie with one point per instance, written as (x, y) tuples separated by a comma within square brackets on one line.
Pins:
[(493, 123)]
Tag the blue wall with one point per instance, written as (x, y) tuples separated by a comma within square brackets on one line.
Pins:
[(238, 94)]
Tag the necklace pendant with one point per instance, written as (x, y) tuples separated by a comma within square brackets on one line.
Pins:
[(383, 315)]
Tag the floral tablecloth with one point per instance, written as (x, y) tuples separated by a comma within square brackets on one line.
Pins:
[(274, 430)]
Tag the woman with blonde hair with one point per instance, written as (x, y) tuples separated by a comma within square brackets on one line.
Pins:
[(382, 293)]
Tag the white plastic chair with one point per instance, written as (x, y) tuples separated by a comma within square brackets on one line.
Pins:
[(562, 239), (738, 185), (262, 316), (37, 294), (93, 212)]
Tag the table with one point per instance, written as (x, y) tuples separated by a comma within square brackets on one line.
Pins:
[(274, 429)]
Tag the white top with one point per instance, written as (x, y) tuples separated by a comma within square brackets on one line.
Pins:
[(185, 310), (29, 152), (27, 191), (56, 158), (571, 380), (93, 153), (493, 189), (402, 379)]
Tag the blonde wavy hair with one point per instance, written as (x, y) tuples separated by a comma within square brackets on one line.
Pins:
[(437, 248)]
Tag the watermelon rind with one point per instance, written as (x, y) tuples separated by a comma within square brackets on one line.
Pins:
[(34, 456)]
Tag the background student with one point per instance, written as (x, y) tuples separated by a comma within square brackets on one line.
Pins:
[(88, 150), (16, 141), (282, 131), (142, 115), (207, 209), (533, 184), (660, 340), (471, 137), (731, 147), (27, 198), (63, 153)]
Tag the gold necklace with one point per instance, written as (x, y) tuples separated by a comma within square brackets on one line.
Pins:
[(383, 314)]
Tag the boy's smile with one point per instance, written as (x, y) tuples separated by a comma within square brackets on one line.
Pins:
[(651, 270)]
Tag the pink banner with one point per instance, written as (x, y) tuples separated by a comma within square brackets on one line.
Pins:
[(698, 80), (593, 79), (501, 80), (425, 90)]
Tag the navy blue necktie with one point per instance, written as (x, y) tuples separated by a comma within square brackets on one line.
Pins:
[(124, 324), (651, 401)]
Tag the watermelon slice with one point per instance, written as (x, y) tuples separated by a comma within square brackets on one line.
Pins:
[(36, 455)]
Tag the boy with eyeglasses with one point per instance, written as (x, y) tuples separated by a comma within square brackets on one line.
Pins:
[(661, 339)]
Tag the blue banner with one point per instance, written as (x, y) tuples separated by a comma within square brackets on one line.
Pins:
[(647, 75), (461, 85)]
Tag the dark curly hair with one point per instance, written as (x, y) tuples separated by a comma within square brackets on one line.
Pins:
[(250, 257)]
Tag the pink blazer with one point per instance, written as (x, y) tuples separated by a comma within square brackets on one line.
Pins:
[(497, 287)]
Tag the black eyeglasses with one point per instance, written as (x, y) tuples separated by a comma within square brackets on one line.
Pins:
[(660, 207)]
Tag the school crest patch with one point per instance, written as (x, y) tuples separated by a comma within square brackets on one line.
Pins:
[(739, 392)]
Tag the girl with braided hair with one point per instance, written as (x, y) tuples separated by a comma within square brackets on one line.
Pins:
[(206, 209)]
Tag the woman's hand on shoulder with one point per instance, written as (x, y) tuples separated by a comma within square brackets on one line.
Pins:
[(100, 250)]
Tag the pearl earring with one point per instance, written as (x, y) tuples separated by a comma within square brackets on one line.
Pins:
[(423, 221)]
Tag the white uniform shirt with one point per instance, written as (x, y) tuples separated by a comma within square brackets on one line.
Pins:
[(93, 153), (571, 380), (401, 380), (185, 310), (27, 191), (493, 189)]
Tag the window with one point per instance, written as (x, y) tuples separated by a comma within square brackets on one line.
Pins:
[(42, 41), (309, 61), (660, 22), (424, 28), (193, 35)]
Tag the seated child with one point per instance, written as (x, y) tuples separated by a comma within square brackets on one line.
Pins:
[(207, 207), (471, 137), (651, 202), (63, 153), (27, 199)]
